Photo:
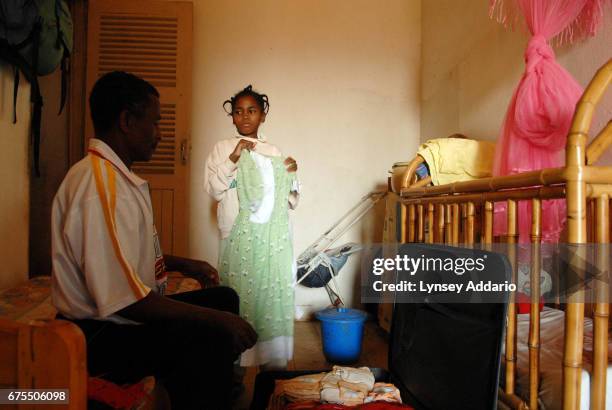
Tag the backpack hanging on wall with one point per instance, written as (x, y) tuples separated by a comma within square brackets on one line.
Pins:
[(35, 38)]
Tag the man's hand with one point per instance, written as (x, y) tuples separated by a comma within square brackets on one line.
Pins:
[(290, 164), (201, 271), (242, 144)]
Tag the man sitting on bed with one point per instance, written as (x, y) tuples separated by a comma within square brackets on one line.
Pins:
[(108, 268)]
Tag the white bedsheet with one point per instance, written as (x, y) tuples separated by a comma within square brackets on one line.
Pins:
[(552, 323)]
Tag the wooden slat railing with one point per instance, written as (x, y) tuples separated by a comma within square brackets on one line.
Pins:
[(447, 214)]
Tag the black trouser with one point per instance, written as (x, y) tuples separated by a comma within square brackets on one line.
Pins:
[(194, 363)]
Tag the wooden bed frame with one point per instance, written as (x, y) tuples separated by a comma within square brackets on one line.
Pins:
[(45, 355), (52, 354), (449, 214)]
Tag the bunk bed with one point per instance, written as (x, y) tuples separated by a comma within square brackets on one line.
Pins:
[(555, 358)]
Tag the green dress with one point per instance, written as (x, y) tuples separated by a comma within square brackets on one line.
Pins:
[(257, 260)]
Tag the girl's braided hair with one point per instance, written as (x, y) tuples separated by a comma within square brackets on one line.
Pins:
[(260, 99)]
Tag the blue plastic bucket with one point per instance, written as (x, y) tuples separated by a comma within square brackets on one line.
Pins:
[(342, 334)]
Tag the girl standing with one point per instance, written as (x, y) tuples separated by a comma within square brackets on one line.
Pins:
[(255, 187)]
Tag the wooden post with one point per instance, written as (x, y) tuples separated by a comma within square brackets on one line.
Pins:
[(455, 216), (77, 90), (576, 229), (602, 311), (402, 224), (590, 221), (463, 224), (420, 223), (511, 323), (448, 224), (487, 224), (430, 223), (440, 223), (534, 318), (411, 223), (591, 238), (469, 225)]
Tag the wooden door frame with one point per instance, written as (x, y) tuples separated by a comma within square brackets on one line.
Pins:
[(77, 92)]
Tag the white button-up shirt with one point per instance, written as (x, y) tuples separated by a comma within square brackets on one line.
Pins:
[(105, 249)]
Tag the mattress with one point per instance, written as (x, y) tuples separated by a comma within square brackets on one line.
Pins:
[(31, 300), (552, 323)]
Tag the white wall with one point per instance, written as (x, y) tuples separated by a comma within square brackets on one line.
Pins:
[(14, 180), (472, 65), (343, 80)]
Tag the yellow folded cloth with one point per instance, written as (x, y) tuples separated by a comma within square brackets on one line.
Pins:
[(457, 159)]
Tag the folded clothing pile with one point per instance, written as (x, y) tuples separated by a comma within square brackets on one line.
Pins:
[(345, 386)]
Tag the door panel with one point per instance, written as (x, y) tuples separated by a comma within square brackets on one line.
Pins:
[(152, 39), (163, 212)]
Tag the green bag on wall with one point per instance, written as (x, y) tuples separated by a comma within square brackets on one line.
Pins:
[(36, 36), (54, 37)]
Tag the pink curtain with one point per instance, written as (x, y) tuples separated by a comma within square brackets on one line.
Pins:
[(539, 115)]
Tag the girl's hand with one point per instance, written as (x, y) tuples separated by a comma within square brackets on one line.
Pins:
[(242, 144), (291, 165)]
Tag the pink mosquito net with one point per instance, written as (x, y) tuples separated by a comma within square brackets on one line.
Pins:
[(534, 131)]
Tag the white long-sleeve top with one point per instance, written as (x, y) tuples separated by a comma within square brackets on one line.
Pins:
[(220, 173)]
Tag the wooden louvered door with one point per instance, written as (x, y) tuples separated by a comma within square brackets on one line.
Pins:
[(152, 39)]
